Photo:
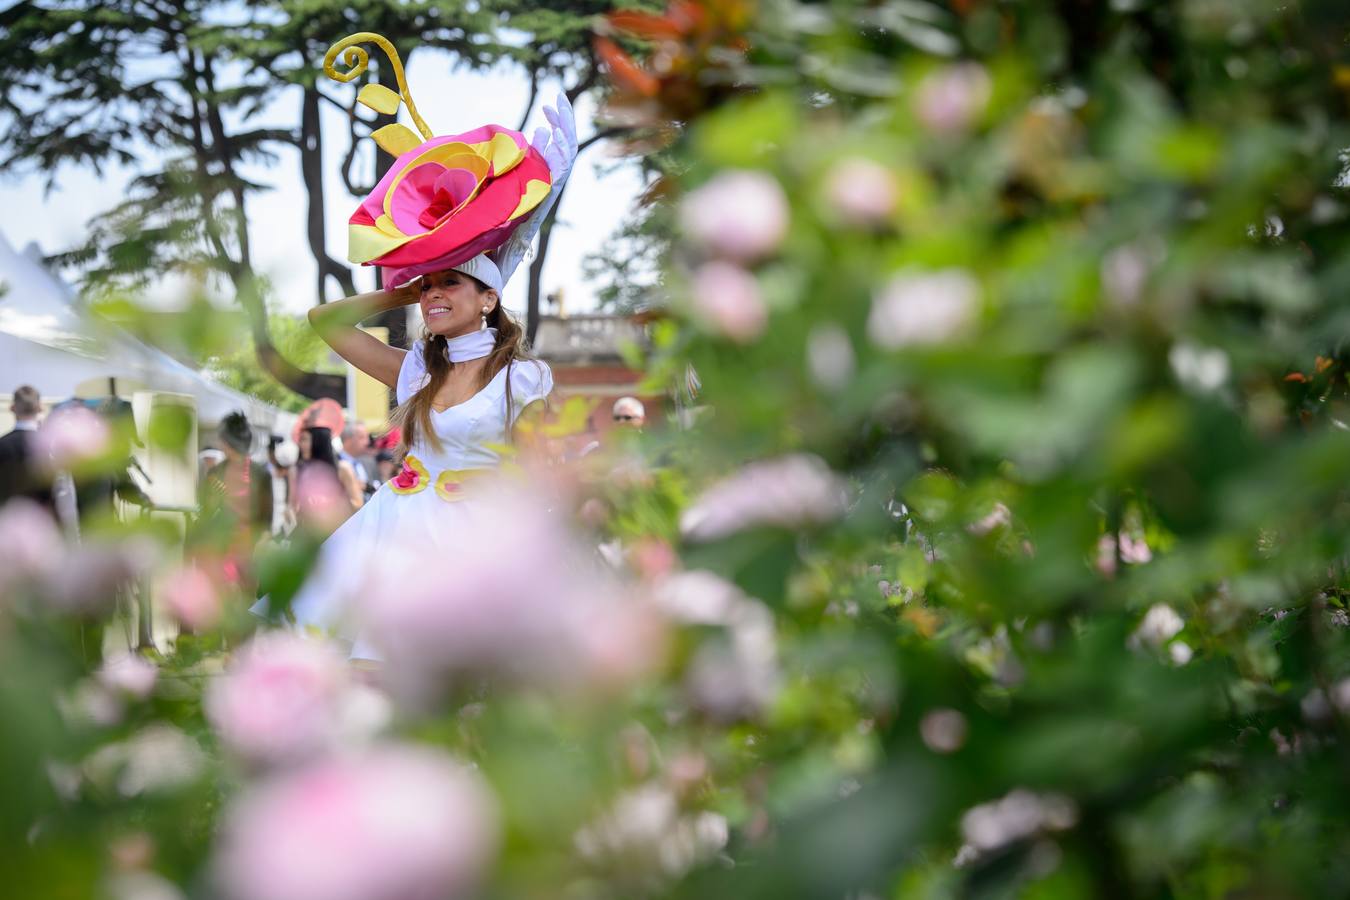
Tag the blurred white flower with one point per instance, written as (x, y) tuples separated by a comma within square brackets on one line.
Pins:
[(1018, 815), (191, 598), (927, 308), (1160, 624), (157, 758), (733, 677), (393, 823), (943, 730), (70, 436), (646, 832), (1317, 707), (829, 356), (141, 885), (65, 780), (727, 301), (129, 674), (742, 215), (91, 703), (861, 191), (950, 100), (1199, 369), (786, 491), (1180, 652), (280, 700)]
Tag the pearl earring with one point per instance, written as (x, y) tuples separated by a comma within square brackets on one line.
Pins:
[(483, 326)]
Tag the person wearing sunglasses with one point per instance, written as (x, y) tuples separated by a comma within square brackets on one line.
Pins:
[(629, 413)]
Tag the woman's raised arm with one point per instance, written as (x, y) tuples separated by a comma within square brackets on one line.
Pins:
[(336, 323)]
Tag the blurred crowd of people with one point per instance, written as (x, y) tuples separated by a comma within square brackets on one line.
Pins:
[(318, 478), (74, 463), (314, 476)]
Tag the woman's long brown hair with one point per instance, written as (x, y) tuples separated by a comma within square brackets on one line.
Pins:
[(414, 415)]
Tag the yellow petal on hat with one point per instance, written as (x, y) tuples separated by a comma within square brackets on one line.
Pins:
[(453, 155), (379, 98), (396, 139), (387, 225), (506, 153), (366, 242), (535, 192)]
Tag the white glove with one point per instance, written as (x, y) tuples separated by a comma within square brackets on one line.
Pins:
[(558, 145)]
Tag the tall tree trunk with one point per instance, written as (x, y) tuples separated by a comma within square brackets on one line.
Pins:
[(314, 385), (311, 170), (396, 320), (537, 272), (535, 288)]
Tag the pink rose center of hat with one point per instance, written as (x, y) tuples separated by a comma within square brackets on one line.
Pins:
[(428, 194)]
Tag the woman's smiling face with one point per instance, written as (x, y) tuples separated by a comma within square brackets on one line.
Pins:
[(452, 303)]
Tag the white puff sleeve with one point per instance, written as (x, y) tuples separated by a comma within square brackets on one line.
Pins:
[(412, 375), (531, 380)]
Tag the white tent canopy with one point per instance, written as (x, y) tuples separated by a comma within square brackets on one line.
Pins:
[(47, 342)]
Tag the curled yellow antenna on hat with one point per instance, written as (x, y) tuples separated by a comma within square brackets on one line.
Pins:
[(394, 139)]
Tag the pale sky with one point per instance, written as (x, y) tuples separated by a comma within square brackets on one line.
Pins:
[(450, 102)]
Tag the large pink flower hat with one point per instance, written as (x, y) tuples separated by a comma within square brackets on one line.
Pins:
[(448, 199)]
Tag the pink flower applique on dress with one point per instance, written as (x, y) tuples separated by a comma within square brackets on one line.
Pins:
[(413, 477)]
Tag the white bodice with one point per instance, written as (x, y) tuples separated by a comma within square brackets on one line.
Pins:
[(469, 430)]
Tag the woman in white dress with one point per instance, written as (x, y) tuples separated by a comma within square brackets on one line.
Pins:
[(463, 388), (460, 390)]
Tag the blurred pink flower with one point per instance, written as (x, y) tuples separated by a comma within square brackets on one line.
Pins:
[(280, 699), (541, 611), (33, 546), (647, 830), (323, 505), (943, 730), (89, 579), (1125, 272), (789, 491), (129, 674), (191, 598), (997, 517), (652, 557), (394, 823), (923, 308), (69, 436), (1133, 551), (742, 215), (950, 100), (861, 191), (726, 299)]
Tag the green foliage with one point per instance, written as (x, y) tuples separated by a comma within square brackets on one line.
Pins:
[(1076, 624), (296, 340)]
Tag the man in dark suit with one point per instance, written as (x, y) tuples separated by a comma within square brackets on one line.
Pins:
[(20, 476)]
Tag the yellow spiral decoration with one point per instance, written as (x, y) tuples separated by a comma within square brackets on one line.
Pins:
[(357, 59)]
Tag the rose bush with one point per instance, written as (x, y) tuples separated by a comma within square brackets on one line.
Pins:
[(996, 548)]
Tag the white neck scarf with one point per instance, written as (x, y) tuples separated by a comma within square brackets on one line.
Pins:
[(474, 345)]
